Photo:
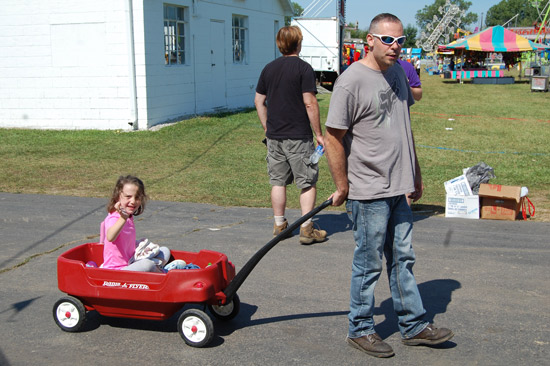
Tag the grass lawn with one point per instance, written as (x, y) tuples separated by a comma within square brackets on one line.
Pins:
[(220, 159)]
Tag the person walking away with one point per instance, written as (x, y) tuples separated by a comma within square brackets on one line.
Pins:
[(418, 65), (288, 111), (373, 162)]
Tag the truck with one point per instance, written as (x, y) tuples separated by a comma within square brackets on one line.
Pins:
[(322, 46)]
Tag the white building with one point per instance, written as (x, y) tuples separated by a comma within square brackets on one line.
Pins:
[(131, 64)]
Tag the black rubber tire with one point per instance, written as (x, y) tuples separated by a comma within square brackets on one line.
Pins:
[(196, 328), (227, 311), (69, 314)]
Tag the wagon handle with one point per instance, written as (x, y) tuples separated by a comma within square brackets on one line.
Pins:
[(238, 280)]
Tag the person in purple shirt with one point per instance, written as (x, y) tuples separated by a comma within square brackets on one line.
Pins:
[(416, 88), (414, 80)]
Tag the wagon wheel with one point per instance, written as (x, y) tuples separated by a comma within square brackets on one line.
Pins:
[(227, 311), (195, 327), (69, 314)]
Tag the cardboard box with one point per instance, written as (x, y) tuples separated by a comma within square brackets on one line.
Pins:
[(466, 207), (500, 202)]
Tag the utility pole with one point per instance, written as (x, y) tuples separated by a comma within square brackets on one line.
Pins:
[(481, 23)]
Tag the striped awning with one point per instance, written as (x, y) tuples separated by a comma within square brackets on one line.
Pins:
[(496, 39)]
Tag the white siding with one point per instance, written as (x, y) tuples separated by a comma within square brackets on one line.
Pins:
[(63, 64), (170, 89), (176, 91), (67, 65)]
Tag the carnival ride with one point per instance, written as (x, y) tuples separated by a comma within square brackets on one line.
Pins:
[(441, 27), (461, 33), (541, 22)]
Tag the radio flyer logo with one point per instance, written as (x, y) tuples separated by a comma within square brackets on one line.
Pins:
[(132, 286)]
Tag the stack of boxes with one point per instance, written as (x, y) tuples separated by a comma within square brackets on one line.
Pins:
[(494, 201)]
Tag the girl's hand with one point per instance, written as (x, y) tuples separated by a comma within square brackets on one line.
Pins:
[(121, 211)]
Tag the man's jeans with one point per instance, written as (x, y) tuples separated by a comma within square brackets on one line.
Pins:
[(383, 226)]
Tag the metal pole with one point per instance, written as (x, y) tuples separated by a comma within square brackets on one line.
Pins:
[(542, 25)]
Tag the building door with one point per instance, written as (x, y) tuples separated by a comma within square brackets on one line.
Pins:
[(217, 68)]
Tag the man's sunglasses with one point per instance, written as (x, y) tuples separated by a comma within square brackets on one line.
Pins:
[(389, 40)]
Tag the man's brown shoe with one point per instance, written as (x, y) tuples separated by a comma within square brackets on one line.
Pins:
[(310, 235), (430, 336), (277, 229), (372, 344)]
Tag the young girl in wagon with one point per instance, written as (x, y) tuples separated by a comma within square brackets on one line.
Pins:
[(119, 233)]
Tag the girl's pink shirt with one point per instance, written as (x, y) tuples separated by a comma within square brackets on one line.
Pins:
[(116, 254)]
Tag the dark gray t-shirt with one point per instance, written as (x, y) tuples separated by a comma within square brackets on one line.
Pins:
[(374, 107)]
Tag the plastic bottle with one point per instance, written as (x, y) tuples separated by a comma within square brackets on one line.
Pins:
[(314, 158)]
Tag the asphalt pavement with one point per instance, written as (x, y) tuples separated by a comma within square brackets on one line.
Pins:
[(486, 280)]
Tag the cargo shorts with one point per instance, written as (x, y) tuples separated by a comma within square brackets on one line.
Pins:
[(288, 161)]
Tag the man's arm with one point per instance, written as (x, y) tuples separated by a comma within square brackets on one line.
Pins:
[(415, 84), (418, 183), (417, 93), (336, 157), (261, 109), (312, 108)]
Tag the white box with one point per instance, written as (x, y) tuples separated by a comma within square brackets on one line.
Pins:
[(466, 207), (458, 186)]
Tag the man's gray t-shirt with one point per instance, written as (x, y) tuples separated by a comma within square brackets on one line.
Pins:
[(374, 107)]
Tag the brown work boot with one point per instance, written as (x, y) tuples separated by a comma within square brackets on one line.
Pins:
[(277, 229), (310, 235), (371, 344), (430, 336)]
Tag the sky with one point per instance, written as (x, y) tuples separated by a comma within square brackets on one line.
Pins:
[(364, 10)]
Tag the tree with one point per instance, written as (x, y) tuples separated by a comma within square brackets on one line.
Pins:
[(298, 10), (426, 15), (410, 32), (359, 33), (505, 10)]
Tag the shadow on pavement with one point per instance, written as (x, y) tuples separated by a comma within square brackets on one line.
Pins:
[(221, 328), (18, 307), (436, 296), (49, 236)]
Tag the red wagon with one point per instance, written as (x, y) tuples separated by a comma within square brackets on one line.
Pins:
[(156, 296), (145, 295)]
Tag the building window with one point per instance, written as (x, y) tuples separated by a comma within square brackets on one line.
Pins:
[(240, 39), (175, 29)]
